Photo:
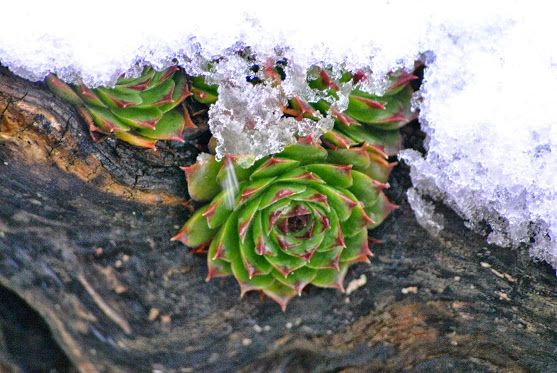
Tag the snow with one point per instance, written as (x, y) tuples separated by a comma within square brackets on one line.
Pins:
[(487, 103)]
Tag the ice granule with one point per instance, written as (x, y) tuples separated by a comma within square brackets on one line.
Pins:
[(425, 213), (487, 103)]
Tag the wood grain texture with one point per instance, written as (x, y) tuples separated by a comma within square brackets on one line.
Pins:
[(84, 240)]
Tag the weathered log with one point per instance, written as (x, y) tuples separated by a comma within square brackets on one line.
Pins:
[(84, 241)]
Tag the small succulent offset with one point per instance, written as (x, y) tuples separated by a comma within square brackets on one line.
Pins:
[(139, 110), (292, 219)]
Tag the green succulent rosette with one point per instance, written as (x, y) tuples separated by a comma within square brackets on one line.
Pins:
[(139, 110), (292, 219), (369, 118)]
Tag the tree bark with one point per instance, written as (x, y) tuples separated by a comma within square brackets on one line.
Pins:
[(84, 241)]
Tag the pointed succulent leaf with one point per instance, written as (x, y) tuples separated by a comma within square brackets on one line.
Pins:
[(217, 211), (203, 92), (280, 293), (357, 248), (274, 166), (62, 90), (298, 279), (390, 140), (365, 188), (340, 200), (339, 176), (169, 127), (136, 140), (106, 120), (279, 192), (158, 95), (395, 114), (195, 232), (254, 264), (118, 98), (305, 153), (202, 178), (331, 278)]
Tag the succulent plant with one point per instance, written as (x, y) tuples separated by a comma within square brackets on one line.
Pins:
[(369, 118), (292, 219), (139, 110)]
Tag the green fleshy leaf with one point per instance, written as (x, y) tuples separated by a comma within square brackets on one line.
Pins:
[(158, 95), (146, 117), (239, 271), (390, 140), (273, 212), (364, 188), (339, 139), (357, 248), (280, 293), (136, 140), (225, 243), (252, 190), (161, 76), (398, 81), (379, 170), (195, 232), (117, 98), (285, 263), (314, 198), (300, 175), (169, 127), (145, 77), (341, 200), (106, 120), (203, 92), (330, 278), (357, 157), (255, 264), (333, 234), (217, 211), (308, 247), (217, 268), (298, 279), (280, 191), (326, 259), (305, 153), (380, 210), (201, 177), (263, 244), (357, 220), (395, 115), (181, 92), (338, 176), (241, 174), (62, 90), (274, 166), (245, 217), (89, 96)]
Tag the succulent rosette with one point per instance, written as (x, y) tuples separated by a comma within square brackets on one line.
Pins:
[(139, 110), (369, 118), (292, 219)]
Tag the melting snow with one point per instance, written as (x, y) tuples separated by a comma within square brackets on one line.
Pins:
[(487, 103)]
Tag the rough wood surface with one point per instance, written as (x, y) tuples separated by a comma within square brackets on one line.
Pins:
[(84, 241)]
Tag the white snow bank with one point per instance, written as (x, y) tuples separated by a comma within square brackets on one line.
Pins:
[(488, 102)]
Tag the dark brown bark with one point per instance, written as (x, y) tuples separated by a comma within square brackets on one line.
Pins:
[(84, 241)]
